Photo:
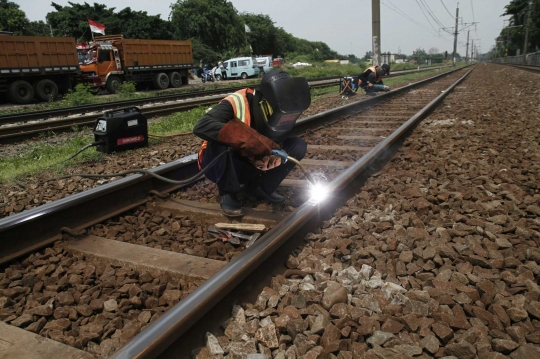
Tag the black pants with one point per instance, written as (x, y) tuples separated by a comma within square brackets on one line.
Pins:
[(235, 170)]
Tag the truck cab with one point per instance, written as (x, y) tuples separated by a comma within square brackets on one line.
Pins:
[(102, 61)]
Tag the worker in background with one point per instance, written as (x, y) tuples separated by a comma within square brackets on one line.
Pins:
[(386, 69), (254, 122), (371, 80)]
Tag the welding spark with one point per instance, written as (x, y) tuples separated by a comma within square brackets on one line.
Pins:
[(318, 193)]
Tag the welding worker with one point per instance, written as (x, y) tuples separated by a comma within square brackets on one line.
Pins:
[(253, 121), (386, 69), (371, 79)]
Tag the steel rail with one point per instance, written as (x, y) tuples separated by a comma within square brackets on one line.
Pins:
[(10, 134), (162, 338), (68, 111), (13, 133), (530, 68), (18, 233)]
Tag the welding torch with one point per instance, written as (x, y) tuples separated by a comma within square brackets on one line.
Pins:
[(285, 157)]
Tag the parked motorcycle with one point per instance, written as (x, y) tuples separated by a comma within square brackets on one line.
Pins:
[(207, 76)]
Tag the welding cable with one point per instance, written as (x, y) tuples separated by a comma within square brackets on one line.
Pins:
[(93, 144), (144, 171), (346, 87)]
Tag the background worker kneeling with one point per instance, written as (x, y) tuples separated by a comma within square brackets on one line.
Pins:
[(371, 80), (254, 122)]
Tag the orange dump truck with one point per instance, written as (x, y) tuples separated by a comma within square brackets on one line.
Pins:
[(40, 67), (112, 60)]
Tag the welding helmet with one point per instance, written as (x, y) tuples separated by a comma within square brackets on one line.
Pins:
[(278, 102)]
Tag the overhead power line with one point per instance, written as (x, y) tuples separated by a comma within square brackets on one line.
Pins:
[(431, 13), (472, 9), (403, 14), (423, 12), (399, 12), (452, 16)]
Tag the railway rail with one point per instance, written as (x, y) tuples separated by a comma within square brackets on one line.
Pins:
[(17, 127), (530, 68), (365, 130)]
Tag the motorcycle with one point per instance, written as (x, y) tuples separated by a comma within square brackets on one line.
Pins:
[(208, 76)]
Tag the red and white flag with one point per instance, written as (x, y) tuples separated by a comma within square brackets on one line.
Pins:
[(96, 27)]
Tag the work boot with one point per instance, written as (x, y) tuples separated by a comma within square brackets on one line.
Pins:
[(257, 193), (230, 206)]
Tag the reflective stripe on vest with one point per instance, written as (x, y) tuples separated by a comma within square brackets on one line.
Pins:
[(240, 105), (374, 70)]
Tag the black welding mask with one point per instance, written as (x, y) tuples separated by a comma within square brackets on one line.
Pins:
[(278, 102)]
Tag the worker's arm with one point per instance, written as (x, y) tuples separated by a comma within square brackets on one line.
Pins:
[(210, 124), (220, 125)]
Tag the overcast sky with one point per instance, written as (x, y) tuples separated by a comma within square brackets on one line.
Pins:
[(345, 25)]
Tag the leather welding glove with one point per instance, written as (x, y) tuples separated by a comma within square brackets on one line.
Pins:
[(267, 163), (237, 134)]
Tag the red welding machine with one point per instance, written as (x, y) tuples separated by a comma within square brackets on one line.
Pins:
[(121, 129)]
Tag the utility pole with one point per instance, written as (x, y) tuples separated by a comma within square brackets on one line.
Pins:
[(472, 49), (467, 52), (376, 30), (527, 33), (455, 37)]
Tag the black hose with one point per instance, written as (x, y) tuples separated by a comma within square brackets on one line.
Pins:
[(23, 185), (145, 171), (83, 149)]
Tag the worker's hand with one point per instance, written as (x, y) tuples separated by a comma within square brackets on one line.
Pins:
[(267, 163), (370, 84)]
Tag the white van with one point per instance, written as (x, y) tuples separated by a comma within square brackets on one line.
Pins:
[(242, 67), (265, 64)]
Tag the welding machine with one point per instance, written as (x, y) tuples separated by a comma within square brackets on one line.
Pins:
[(348, 85), (121, 129)]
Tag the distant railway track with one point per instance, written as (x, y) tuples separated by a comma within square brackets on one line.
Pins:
[(20, 126), (530, 68), (365, 129)]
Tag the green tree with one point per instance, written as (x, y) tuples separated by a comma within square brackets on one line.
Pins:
[(263, 34), (12, 18), (419, 55), (39, 28), (368, 55), (72, 20), (215, 23), (514, 37)]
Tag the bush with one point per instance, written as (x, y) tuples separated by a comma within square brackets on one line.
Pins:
[(325, 69), (127, 89), (81, 95)]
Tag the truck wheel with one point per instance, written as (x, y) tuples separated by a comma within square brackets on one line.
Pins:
[(46, 90), (175, 80), (113, 84), (244, 75), (161, 81), (20, 92)]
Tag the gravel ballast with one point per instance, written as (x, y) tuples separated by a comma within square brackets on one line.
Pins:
[(437, 256)]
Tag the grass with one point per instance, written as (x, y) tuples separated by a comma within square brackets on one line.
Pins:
[(81, 95), (42, 156)]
